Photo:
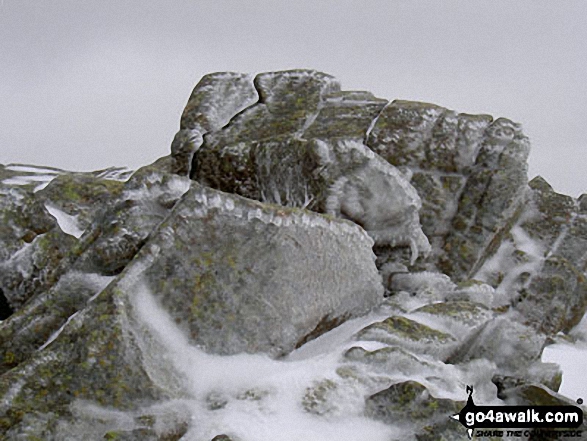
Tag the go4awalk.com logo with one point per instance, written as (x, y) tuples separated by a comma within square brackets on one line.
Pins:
[(482, 419)]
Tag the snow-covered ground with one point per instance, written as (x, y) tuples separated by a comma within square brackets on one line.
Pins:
[(254, 397), (572, 359)]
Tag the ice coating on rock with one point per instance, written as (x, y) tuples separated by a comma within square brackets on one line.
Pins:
[(187, 265), (380, 199), (216, 99), (238, 247), (540, 266), (338, 176)]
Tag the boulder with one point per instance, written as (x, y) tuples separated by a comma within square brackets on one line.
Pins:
[(240, 276)]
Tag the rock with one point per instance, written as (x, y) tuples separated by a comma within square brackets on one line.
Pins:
[(112, 240), (215, 100), (460, 316), (286, 208), (94, 359), (540, 265), (410, 335), (40, 319), (490, 200), (244, 246), (410, 401), (279, 151), (498, 340), (42, 224), (317, 399), (469, 171), (391, 360)]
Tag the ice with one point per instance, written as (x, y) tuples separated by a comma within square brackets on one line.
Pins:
[(252, 397), (504, 262), (98, 283), (263, 396), (116, 174), (53, 336), (40, 187), (67, 223)]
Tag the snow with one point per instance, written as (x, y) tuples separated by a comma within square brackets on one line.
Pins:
[(252, 397), (263, 396), (27, 179), (572, 358), (67, 223), (31, 169)]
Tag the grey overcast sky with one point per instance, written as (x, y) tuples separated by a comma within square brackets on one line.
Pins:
[(87, 85)]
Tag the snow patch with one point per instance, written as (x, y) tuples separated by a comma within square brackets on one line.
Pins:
[(67, 223), (32, 169), (263, 396), (28, 179)]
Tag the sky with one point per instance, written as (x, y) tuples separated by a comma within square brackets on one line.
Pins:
[(88, 85)]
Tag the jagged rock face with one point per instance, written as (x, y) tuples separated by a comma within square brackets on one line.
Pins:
[(63, 285), (135, 303), (289, 149), (540, 265), (32, 203), (469, 170)]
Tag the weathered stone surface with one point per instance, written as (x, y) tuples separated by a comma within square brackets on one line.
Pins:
[(121, 295), (541, 263), (556, 298), (215, 100), (33, 325), (392, 360), (116, 234), (38, 216), (345, 114), (410, 401), (468, 170), (216, 249), (456, 315), (96, 358), (302, 145), (490, 201), (409, 334), (498, 340)]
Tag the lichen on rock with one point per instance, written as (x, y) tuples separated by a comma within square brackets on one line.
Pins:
[(261, 248)]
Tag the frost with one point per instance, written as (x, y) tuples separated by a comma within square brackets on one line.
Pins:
[(378, 197), (96, 281), (262, 396)]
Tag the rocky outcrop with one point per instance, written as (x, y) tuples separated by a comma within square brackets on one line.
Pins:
[(287, 149), (241, 276), (305, 257)]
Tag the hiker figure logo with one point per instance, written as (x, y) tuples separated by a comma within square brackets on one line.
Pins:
[(540, 418), (469, 407)]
